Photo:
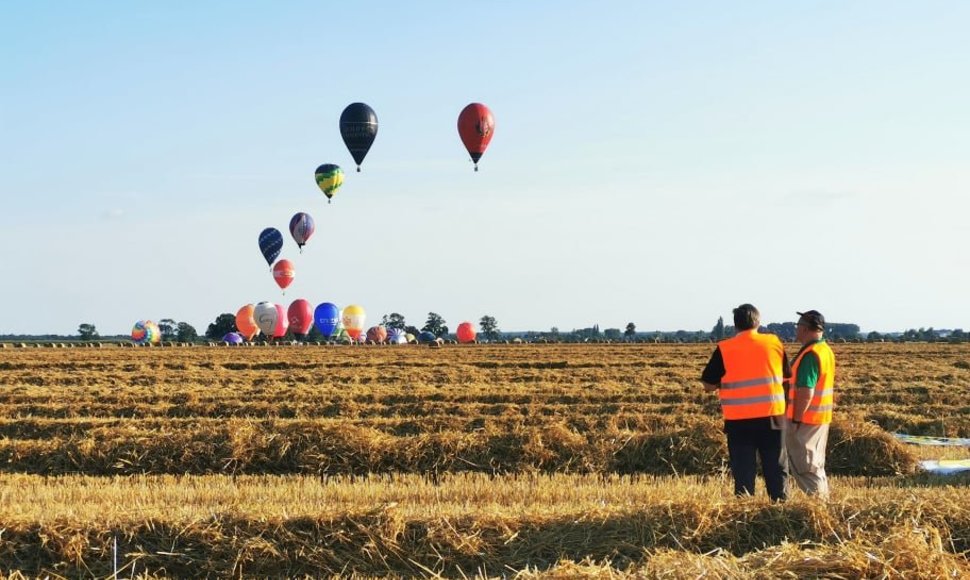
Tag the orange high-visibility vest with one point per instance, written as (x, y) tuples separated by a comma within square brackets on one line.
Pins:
[(819, 410), (752, 383)]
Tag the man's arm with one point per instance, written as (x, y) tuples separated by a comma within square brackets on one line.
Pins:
[(711, 377), (805, 382)]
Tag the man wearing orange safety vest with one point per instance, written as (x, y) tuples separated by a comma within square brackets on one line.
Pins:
[(748, 372), (810, 405)]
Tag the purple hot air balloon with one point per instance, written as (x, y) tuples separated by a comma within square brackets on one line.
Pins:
[(302, 227), (233, 338)]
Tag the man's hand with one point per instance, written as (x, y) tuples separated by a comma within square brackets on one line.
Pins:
[(709, 387)]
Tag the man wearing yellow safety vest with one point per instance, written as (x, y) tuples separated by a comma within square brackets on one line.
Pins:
[(748, 372), (810, 405)]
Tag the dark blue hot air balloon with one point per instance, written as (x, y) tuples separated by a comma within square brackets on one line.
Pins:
[(270, 244), (427, 337), (358, 127), (326, 317)]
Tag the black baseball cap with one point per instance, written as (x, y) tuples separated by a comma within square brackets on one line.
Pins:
[(813, 318)]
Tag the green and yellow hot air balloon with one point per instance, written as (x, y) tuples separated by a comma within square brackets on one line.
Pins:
[(329, 179)]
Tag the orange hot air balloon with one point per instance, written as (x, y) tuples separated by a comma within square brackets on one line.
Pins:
[(476, 125), (465, 332), (283, 273), (246, 322)]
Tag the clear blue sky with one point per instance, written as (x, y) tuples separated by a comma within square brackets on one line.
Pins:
[(653, 162)]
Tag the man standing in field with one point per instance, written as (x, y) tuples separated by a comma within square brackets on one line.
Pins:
[(810, 405), (748, 371)]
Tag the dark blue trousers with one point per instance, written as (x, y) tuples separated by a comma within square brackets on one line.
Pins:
[(747, 439)]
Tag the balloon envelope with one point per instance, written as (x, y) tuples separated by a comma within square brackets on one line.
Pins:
[(266, 314), (465, 332), (300, 314), (426, 337), (326, 317), (301, 228), (232, 338), (358, 127), (476, 127), (329, 179), (141, 332), (246, 323), (396, 336), (377, 334), (283, 273), (270, 244), (282, 322), (353, 318)]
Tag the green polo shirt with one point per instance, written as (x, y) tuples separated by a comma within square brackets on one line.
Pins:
[(809, 368)]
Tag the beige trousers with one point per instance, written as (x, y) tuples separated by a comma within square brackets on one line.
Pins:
[(805, 447)]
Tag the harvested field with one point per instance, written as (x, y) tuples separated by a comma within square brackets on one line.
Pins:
[(532, 460)]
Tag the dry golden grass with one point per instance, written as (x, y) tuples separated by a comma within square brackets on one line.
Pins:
[(492, 460), (408, 525)]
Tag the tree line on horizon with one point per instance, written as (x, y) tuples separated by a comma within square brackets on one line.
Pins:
[(173, 331)]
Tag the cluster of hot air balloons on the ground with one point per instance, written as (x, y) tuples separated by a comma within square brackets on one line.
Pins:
[(333, 323)]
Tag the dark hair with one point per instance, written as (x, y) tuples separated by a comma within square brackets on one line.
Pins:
[(746, 317)]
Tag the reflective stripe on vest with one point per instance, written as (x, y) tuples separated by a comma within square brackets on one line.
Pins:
[(752, 383), (819, 410)]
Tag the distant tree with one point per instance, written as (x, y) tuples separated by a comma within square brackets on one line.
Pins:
[(185, 332), (435, 325), (554, 331), (412, 330), (87, 331), (631, 331), (393, 320), (873, 336), (958, 334), (489, 327), (612, 333), (224, 324), (169, 329), (718, 332)]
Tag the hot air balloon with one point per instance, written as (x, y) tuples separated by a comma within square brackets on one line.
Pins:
[(245, 323), (377, 334), (409, 337), (396, 336), (266, 314), (232, 338), (426, 337), (301, 228), (282, 322), (300, 315), (329, 179), (476, 127), (465, 332), (283, 273), (154, 332), (327, 318), (358, 127), (270, 244), (141, 332), (353, 318)]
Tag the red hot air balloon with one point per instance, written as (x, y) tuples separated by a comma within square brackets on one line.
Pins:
[(283, 273), (476, 127), (300, 314), (465, 332), (282, 322)]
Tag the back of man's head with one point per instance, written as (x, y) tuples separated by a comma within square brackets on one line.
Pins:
[(746, 317)]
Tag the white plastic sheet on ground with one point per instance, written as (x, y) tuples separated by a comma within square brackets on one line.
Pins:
[(928, 440), (946, 466)]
